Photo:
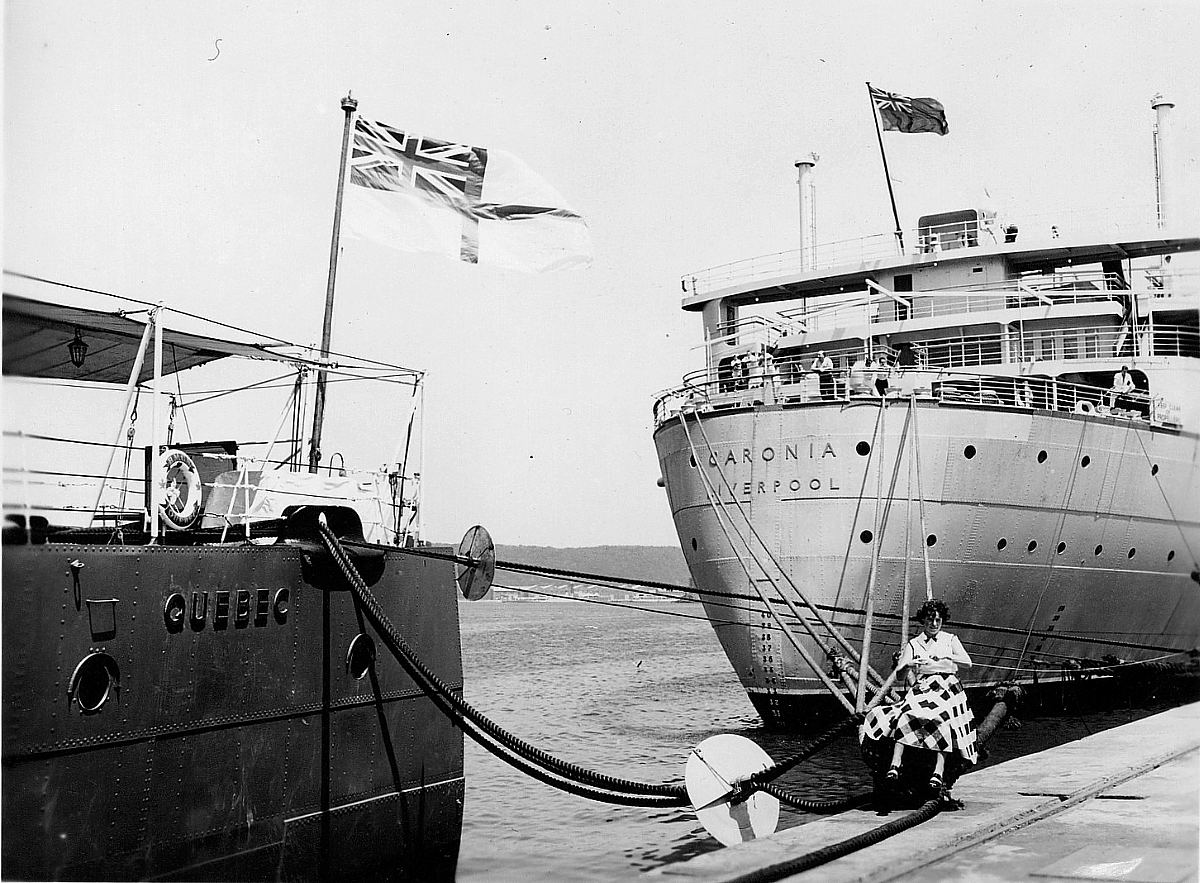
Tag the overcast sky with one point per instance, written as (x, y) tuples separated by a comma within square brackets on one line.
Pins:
[(188, 153)]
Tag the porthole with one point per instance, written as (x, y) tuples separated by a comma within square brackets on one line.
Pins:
[(1085, 461), (1098, 550), (931, 540), (1041, 456), (1132, 552), (1062, 547), (1171, 555), (863, 448), (1032, 545), (969, 452), (866, 536), (1154, 469), (95, 679), (1001, 544), (360, 658)]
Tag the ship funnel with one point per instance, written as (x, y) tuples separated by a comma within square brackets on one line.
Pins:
[(1164, 161), (808, 220)]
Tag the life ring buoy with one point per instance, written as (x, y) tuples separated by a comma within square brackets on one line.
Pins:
[(181, 490), (1085, 407)]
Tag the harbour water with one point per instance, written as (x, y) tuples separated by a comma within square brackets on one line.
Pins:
[(628, 692)]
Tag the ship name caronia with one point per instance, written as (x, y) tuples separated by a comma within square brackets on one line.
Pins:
[(722, 458), (733, 456)]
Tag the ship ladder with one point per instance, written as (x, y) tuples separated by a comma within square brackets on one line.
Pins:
[(721, 510), (879, 528)]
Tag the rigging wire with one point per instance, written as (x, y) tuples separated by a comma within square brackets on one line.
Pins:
[(858, 502), (834, 633), (1166, 500), (179, 388), (709, 492), (886, 629), (606, 581), (1062, 520)]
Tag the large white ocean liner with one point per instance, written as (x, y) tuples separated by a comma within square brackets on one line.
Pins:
[(999, 471)]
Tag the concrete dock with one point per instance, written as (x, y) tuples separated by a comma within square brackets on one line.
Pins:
[(1123, 804)]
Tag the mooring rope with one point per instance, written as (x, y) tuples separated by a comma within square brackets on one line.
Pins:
[(537, 763), (710, 494), (798, 865), (664, 794), (829, 626)]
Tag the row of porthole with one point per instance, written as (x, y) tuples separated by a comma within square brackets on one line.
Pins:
[(866, 536), (863, 448), (97, 677)]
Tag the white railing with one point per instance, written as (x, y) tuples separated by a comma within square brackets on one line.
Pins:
[(1044, 230), (864, 308), (705, 392)]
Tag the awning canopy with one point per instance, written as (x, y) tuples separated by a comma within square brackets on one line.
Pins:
[(37, 335)]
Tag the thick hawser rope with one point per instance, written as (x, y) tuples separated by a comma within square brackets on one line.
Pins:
[(639, 792), (539, 764)]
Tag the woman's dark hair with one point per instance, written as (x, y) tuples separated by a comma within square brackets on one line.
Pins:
[(931, 607)]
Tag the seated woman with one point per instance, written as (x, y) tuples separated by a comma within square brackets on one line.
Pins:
[(934, 714)]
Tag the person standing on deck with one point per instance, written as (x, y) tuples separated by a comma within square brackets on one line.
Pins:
[(823, 365), (883, 371), (934, 714), (1122, 385)]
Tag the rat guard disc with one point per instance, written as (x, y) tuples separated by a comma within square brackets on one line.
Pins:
[(475, 579), (712, 767)]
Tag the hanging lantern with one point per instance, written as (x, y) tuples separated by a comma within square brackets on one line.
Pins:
[(78, 350)]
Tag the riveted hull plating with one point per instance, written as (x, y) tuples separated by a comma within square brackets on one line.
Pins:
[(1053, 537), (231, 737)]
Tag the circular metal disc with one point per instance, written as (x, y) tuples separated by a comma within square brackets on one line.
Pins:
[(475, 579), (711, 767)]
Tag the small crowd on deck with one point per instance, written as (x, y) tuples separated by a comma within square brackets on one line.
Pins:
[(875, 375)]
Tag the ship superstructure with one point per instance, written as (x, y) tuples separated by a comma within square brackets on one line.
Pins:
[(999, 413), (191, 688), (220, 654)]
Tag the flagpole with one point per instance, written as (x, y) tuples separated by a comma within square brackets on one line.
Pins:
[(314, 458), (886, 174)]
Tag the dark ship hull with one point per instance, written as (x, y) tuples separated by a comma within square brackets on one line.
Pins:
[(196, 712)]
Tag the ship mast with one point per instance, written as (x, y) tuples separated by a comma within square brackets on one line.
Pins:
[(314, 458)]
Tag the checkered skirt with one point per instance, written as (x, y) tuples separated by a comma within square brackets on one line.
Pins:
[(934, 715)]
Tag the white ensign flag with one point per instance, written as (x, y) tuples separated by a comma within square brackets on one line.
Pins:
[(482, 206)]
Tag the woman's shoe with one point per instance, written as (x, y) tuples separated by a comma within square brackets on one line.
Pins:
[(935, 782), (893, 774)]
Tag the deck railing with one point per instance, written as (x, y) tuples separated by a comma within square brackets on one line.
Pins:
[(867, 308), (1044, 230), (704, 394), (1009, 345), (39, 481)]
